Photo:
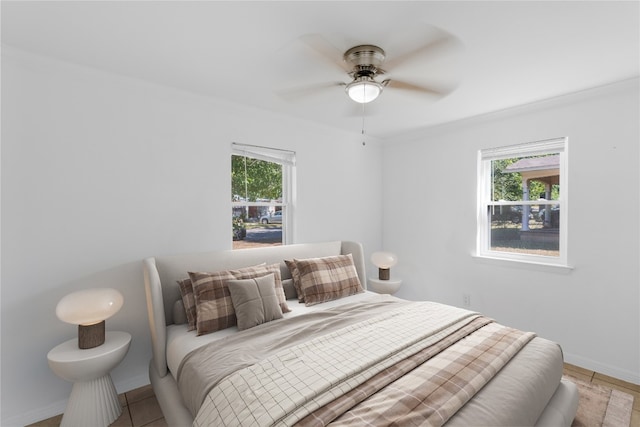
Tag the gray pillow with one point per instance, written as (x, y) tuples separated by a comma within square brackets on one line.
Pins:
[(289, 289), (254, 300)]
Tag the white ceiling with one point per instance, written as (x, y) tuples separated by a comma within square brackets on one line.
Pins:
[(508, 53)]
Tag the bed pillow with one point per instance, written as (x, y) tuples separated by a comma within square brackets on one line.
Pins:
[(328, 278), (214, 307), (295, 276), (289, 289), (189, 302), (254, 301)]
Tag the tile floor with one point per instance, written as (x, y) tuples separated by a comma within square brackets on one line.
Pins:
[(141, 409)]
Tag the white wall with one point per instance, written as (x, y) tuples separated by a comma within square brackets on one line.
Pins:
[(429, 219), (100, 171)]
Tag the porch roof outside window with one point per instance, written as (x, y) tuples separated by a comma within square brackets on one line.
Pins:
[(545, 169)]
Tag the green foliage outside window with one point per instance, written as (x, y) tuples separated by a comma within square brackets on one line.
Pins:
[(253, 179)]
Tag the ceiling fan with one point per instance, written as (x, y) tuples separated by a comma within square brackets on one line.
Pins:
[(366, 60), (363, 63)]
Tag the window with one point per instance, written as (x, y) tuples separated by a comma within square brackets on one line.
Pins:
[(262, 195), (522, 202)]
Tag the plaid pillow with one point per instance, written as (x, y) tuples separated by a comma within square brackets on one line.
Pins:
[(295, 276), (328, 278), (214, 307), (189, 302)]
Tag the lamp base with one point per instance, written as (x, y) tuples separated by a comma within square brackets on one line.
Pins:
[(91, 336), (384, 273)]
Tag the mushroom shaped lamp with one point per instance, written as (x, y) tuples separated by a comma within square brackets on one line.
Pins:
[(89, 308), (384, 261)]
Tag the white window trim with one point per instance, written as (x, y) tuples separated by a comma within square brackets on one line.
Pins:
[(483, 249), (287, 159)]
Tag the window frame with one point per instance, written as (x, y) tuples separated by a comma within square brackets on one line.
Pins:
[(484, 199), (287, 159)]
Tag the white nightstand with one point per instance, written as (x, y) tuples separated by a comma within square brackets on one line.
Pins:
[(94, 400), (390, 286)]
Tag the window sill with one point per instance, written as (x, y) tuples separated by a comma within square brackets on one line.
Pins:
[(529, 265)]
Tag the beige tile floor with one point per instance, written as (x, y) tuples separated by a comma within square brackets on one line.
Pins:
[(141, 409)]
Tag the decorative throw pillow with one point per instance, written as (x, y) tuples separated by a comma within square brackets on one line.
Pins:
[(214, 307), (254, 301), (279, 287), (289, 289), (189, 302), (295, 276), (328, 278)]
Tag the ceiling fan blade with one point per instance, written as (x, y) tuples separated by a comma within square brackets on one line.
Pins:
[(295, 93), (437, 91), (441, 45), (326, 51)]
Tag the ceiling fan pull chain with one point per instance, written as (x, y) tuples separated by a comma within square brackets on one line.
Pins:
[(363, 141)]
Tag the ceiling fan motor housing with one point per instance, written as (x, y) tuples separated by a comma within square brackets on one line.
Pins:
[(365, 59)]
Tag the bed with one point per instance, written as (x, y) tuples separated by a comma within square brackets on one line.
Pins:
[(336, 359)]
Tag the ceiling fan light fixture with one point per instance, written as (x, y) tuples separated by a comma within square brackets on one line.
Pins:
[(363, 89)]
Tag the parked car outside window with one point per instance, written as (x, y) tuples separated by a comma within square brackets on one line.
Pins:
[(274, 218)]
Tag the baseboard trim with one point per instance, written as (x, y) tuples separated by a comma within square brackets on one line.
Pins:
[(59, 407), (603, 368), (132, 383), (36, 415)]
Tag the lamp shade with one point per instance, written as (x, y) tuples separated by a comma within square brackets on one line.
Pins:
[(89, 306), (363, 90), (384, 259)]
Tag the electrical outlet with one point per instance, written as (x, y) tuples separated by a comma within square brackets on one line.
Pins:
[(466, 300)]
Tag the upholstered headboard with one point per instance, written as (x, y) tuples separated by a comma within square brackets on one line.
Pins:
[(162, 273)]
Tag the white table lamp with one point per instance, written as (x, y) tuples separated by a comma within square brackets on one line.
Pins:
[(384, 261), (89, 309)]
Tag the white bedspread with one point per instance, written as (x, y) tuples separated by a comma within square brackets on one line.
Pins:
[(181, 342), (526, 383), (316, 372)]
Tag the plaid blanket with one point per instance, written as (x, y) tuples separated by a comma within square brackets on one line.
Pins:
[(321, 380), (431, 392)]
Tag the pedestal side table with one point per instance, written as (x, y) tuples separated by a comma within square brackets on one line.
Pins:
[(93, 400), (390, 286)]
